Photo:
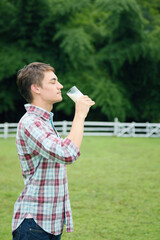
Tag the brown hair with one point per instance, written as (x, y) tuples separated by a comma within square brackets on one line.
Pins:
[(31, 74)]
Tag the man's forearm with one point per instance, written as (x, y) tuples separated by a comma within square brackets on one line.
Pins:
[(76, 133), (83, 105)]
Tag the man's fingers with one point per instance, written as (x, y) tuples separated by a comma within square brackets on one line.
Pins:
[(86, 99)]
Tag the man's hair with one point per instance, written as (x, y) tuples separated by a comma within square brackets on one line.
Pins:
[(31, 74)]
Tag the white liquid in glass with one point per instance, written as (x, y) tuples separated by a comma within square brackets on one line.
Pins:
[(74, 93)]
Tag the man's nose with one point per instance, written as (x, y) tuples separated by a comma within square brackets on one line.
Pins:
[(60, 86)]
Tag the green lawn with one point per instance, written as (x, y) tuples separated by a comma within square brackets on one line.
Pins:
[(114, 189)]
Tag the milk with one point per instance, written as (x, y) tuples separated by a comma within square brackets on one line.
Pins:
[(73, 96), (74, 93)]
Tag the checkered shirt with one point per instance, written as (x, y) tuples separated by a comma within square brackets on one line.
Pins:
[(43, 158)]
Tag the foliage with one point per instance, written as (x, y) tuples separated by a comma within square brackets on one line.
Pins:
[(109, 49)]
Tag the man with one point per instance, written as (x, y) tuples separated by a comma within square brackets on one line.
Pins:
[(43, 207)]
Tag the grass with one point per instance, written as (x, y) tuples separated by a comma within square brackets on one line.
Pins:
[(114, 189)]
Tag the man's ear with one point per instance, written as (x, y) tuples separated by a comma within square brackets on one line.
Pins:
[(35, 88)]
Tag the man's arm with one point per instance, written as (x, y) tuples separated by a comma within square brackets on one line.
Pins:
[(83, 105), (40, 140)]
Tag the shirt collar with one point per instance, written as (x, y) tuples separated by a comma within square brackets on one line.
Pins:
[(38, 111)]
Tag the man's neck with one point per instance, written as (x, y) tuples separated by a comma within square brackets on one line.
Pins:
[(46, 106)]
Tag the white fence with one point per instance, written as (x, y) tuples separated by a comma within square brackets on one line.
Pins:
[(115, 128)]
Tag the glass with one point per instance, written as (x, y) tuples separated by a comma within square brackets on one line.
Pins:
[(74, 93)]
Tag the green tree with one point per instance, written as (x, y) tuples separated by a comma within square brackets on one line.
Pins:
[(109, 49)]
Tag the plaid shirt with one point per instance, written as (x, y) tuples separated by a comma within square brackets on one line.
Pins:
[(43, 158)]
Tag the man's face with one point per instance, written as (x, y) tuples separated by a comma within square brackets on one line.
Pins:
[(50, 91)]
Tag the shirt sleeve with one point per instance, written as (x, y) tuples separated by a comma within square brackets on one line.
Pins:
[(43, 141)]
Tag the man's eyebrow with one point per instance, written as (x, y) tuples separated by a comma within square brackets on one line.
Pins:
[(54, 79)]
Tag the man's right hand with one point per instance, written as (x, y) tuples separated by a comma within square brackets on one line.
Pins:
[(83, 105)]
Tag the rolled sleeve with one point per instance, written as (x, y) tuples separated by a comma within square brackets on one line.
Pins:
[(43, 141)]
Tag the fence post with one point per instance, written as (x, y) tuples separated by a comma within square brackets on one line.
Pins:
[(116, 126), (5, 130), (133, 129), (147, 129), (64, 128)]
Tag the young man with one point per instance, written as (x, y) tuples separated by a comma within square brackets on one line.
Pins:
[(43, 207)]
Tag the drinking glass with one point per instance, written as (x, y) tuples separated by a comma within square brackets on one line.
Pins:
[(74, 93)]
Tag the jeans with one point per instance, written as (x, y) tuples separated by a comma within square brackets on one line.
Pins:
[(29, 230)]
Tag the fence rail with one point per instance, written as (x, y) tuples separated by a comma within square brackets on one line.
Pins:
[(115, 128)]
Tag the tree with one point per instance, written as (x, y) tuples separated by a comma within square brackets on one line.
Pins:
[(109, 49)]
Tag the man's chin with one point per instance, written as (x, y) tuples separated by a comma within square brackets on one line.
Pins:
[(58, 100)]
